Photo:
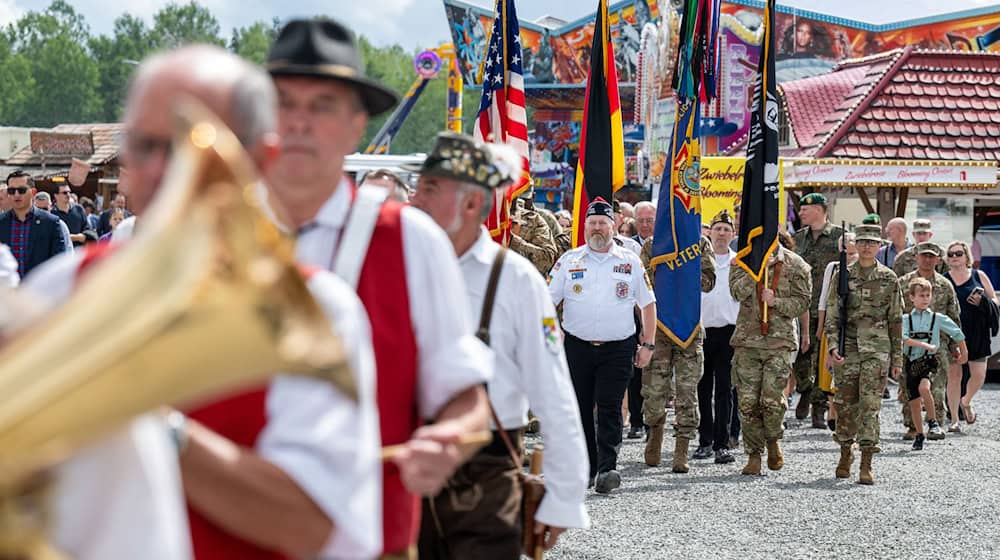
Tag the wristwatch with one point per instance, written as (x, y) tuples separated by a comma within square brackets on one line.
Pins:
[(648, 346)]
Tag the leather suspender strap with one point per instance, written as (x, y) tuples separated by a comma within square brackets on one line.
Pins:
[(483, 334)]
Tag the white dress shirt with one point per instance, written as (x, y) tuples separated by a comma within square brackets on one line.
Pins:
[(530, 369), (8, 268), (718, 308), (451, 358), (598, 292), (630, 244), (327, 443)]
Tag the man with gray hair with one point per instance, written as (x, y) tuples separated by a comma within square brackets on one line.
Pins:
[(895, 231), (43, 201), (288, 468)]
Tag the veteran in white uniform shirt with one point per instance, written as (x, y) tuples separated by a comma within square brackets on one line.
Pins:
[(599, 284), (530, 369)]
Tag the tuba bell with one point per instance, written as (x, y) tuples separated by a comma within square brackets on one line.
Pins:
[(215, 303)]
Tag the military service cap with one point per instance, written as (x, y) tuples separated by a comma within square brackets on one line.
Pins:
[(868, 232), (921, 226), (460, 157), (813, 198), (722, 217), (928, 248)]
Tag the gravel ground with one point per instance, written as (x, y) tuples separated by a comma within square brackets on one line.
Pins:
[(941, 502)]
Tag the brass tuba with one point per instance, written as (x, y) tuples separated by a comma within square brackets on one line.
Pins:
[(207, 300)]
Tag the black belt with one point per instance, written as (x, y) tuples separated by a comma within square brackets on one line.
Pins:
[(599, 342), (496, 448)]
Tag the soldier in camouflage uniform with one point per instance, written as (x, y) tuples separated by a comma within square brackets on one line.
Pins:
[(762, 363), (531, 238), (817, 242), (685, 364), (561, 238), (906, 261), (873, 342), (943, 301)]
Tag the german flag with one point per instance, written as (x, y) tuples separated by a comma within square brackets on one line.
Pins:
[(600, 170)]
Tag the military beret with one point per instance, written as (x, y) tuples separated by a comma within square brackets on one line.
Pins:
[(460, 157), (921, 226), (813, 198), (928, 248), (872, 219), (600, 207), (722, 217), (868, 232)]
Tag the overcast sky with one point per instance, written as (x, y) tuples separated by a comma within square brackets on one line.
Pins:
[(421, 23)]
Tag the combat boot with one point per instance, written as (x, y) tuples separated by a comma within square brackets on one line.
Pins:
[(775, 459), (911, 433), (846, 460), (680, 455), (818, 417), (802, 408), (865, 476), (753, 464), (654, 444)]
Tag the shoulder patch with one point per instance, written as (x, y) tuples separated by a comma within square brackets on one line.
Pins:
[(551, 334)]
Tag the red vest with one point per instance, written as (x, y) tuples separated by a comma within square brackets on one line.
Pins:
[(383, 290)]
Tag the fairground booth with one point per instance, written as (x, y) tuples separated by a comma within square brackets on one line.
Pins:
[(900, 119)]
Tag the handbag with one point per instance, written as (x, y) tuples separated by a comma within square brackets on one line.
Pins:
[(532, 483)]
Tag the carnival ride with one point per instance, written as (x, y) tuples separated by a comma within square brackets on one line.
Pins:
[(428, 65)]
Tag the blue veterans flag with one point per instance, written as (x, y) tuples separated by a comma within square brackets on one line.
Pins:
[(677, 236)]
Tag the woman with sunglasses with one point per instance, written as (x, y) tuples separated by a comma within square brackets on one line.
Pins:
[(975, 295)]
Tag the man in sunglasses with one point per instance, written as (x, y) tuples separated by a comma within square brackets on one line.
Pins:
[(70, 213), (34, 236)]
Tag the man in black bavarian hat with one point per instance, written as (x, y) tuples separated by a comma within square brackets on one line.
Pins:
[(429, 366)]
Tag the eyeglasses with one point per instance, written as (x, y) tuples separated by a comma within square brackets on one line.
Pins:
[(956, 253), (645, 220), (64, 192), (17, 190)]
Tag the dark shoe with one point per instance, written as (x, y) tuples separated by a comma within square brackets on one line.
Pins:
[(723, 456), (703, 452), (634, 432), (918, 443), (934, 431), (802, 409), (818, 418), (910, 434), (832, 424), (607, 481)]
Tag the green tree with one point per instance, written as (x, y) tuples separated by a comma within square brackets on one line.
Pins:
[(116, 58), (253, 42), (63, 77), (176, 25), (16, 84)]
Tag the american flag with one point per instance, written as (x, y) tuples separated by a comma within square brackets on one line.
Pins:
[(502, 117)]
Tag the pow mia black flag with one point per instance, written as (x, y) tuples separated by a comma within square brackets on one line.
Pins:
[(758, 235)]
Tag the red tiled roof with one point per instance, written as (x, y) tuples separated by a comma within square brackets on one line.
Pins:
[(904, 104), (105, 139)]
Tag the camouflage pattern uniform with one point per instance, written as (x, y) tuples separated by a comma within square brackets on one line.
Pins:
[(534, 241), (943, 301), (817, 253), (906, 262), (873, 344), (685, 364), (762, 364), (562, 239)]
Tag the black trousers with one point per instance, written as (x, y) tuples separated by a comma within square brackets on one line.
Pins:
[(635, 399), (716, 381), (600, 377)]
